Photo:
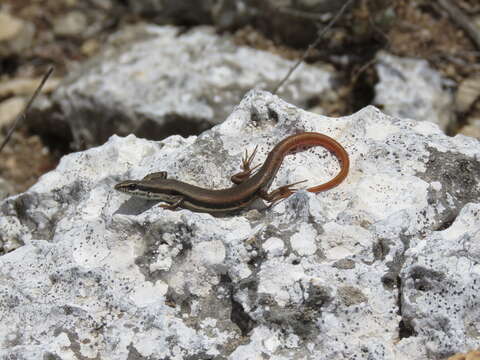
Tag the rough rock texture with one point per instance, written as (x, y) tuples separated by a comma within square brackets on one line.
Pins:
[(441, 283), (155, 81), (385, 266), (410, 88)]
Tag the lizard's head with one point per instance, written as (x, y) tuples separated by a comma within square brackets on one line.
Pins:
[(129, 187), (148, 189)]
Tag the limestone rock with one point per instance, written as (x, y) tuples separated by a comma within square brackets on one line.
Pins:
[(154, 81), (384, 266), (410, 88)]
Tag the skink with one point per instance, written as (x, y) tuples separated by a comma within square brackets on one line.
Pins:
[(177, 194)]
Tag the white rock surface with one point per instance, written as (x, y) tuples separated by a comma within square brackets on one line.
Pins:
[(385, 266), (441, 278), (410, 88), (155, 81)]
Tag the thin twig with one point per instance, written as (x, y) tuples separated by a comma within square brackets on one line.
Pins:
[(23, 114), (462, 20), (312, 45)]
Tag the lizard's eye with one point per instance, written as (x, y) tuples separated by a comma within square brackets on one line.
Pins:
[(132, 187)]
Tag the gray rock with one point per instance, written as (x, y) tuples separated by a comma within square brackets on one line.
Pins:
[(155, 82), (384, 266), (410, 88)]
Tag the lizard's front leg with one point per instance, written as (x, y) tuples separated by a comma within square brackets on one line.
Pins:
[(247, 170), (175, 205)]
